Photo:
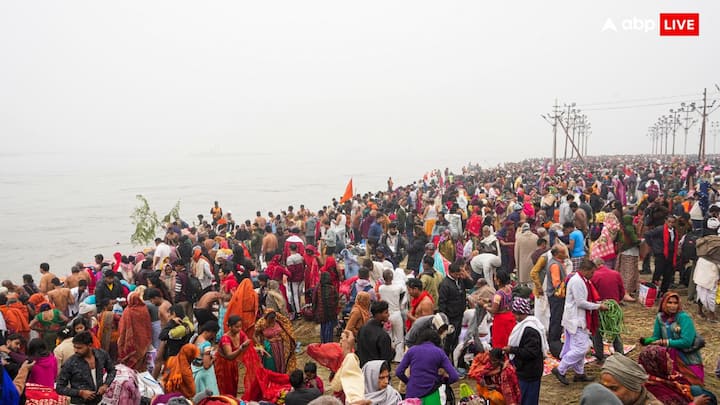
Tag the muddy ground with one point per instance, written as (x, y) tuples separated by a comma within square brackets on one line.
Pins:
[(638, 321)]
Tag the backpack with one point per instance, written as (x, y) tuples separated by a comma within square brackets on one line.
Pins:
[(194, 288), (353, 294)]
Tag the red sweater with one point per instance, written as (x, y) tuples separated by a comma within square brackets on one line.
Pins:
[(609, 284)]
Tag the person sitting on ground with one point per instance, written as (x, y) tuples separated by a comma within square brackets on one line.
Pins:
[(675, 330), (496, 378), (300, 395), (667, 386), (311, 378)]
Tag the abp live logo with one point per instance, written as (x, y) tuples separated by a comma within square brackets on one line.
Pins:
[(679, 24)]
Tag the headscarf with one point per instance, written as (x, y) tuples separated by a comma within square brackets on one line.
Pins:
[(178, 373), (135, 332), (596, 394), (668, 387), (362, 305), (522, 306), (329, 355), (626, 371), (275, 299), (243, 303), (275, 270), (118, 261), (37, 300), (386, 396), (331, 268), (663, 306)]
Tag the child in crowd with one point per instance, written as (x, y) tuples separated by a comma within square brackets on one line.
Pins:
[(311, 378)]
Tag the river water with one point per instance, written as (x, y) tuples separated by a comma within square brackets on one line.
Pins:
[(60, 208)]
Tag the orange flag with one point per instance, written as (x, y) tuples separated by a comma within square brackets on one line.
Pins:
[(348, 192)]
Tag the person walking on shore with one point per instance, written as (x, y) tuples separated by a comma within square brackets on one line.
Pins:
[(580, 322)]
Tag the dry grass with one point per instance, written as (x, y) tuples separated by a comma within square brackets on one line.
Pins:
[(639, 323)]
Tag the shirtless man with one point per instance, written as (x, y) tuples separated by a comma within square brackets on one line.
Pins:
[(422, 308), (204, 307), (83, 274), (260, 220), (45, 284), (269, 244), (155, 297), (71, 281), (60, 296)]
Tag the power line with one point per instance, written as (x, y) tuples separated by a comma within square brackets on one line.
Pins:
[(639, 100), (639, 105)]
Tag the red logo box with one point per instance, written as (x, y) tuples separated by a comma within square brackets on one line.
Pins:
[(680, 24)]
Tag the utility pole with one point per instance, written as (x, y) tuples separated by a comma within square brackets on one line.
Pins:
[(573, 127), (704, 114), (555, 117), (652, 135), (588, 131), (662, 127), (569, 111), (674, 121), (568, 138), (714, 129), (687, 122)]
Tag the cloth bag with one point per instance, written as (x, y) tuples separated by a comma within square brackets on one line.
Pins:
[(647, 293)]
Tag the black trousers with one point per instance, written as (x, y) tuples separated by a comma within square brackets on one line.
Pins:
[(451, 340), (663, 270), (555, 329)]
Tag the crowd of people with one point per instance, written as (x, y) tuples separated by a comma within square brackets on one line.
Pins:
[(481, 274)]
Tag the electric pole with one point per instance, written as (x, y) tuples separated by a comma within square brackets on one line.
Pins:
[(566, 129), (674, 121), (703, 126), (553, 120), (687, 122), (714, 129)]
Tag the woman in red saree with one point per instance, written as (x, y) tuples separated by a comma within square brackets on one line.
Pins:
[(312, 268), (501, 308), (135, 333), (232, 345)]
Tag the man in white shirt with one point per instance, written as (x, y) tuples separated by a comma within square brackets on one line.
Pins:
[(79, 294), (162, 250), (394, 295), (338, 225), (578, 300)]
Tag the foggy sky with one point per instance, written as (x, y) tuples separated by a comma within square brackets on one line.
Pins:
[(173, 76)]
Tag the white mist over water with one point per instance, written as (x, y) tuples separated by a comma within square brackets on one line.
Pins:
[(61, 208)]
